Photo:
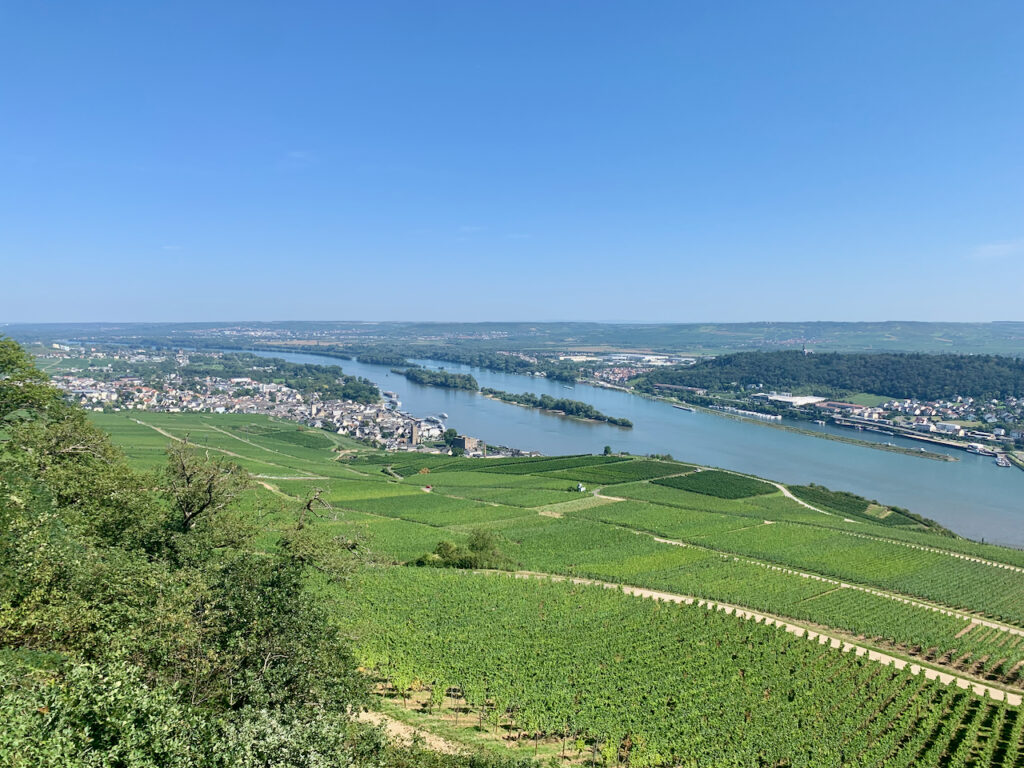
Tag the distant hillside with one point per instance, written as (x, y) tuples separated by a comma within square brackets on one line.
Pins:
[(1005, 338)]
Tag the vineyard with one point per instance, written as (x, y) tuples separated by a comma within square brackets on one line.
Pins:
[(646, 683), (497, 650), (723, 485)]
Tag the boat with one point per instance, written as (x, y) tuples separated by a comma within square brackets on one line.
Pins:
[(980, 449), (1002, 461), (820, 422), (684, 408), (443, 415), (564, 386)]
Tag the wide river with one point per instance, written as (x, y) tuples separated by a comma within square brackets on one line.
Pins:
[(972, 496)]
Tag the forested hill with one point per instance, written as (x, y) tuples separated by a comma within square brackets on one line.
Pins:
[(921, 376)]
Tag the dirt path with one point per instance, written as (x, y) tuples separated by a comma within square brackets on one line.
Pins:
[(232, 454), (937, 550), (291, 477), (998, 625), (798, 630), (789, 495), (275, 490), (215, 428), (163, 432), (405, 733)]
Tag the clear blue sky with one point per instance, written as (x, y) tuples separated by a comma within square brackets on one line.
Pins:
[(664, 161)]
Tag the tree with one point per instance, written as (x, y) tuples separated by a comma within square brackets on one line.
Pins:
[(482, 541), (607, 450), (23, 387), (200, 486)]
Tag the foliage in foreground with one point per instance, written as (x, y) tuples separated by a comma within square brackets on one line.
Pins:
[(140, 626)]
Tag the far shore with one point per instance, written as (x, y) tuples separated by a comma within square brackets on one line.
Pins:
[(921, 454)]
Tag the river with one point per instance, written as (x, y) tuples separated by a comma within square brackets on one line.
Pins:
[(972, 496)]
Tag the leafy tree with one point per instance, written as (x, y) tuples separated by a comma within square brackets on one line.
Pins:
[(481, 551), (199, 485), (23, 388)]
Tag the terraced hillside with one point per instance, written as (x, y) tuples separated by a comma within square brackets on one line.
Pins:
[(577, 670)]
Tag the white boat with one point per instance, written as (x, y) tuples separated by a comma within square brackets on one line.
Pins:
[(684, 408), (1002, 461), (980, 449)]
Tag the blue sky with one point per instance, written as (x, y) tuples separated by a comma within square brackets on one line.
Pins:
[(662, 161)]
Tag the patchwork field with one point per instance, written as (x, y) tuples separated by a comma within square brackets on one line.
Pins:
[(946, 605)]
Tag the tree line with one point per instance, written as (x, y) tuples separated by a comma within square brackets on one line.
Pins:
[(575, 408), (445, 379), (898, 375)]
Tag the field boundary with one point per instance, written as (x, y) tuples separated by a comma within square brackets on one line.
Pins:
[(789, 625)]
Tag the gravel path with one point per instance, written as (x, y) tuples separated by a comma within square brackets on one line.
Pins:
[(798, 630), (405, 733)]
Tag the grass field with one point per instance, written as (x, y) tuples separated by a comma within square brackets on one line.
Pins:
[(867, 399)]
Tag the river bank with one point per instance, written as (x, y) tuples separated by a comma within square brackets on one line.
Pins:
[(920, 453), (879, 446), (971, 496)]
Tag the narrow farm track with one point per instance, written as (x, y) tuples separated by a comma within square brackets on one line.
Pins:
[(789, 495), (215, 428), (406, 733), (794, 628), (785, 491), (913, 602), (971, 622), (232, 454), (275, 490), (291, 477), (860, 534), (922, 547), (936, 550), (163, 432)]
